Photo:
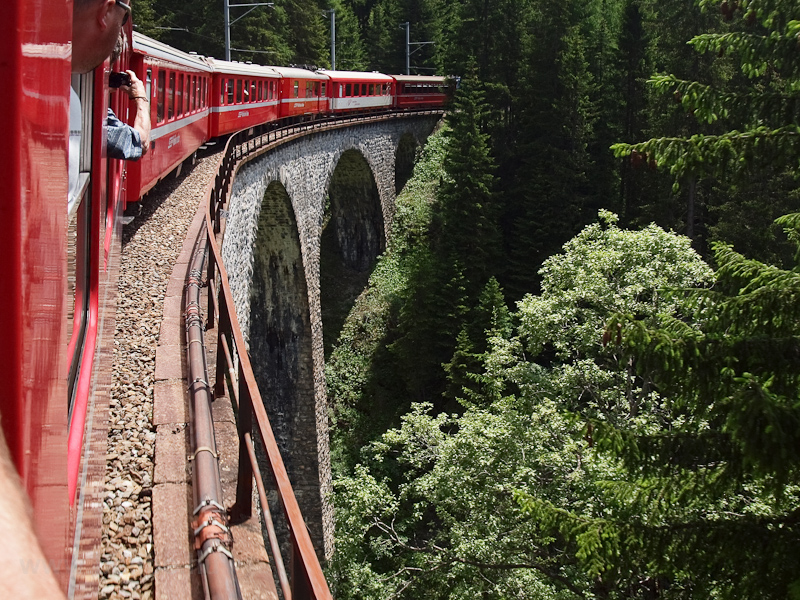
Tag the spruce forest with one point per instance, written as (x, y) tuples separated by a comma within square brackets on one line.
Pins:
[(575, 371)]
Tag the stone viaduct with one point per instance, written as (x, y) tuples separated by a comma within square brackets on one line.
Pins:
[(306, 222)]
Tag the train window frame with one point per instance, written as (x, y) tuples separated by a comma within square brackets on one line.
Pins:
[(238, 91), (230, 92), (194, 93), (260, 91), (161, 91), (363, 89), (171, 97), (323, 88), (371, 89), (179, 95), (348, 90), (187, 95), (148, 84), (79, 212), (296, 88)]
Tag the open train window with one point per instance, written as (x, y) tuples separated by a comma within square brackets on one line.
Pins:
[(230, 91), (238, 91), (79, 213), (171, 97), (296, 89), (162, 83)]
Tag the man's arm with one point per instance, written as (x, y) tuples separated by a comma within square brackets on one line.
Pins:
[(24, 570), (141, 122)]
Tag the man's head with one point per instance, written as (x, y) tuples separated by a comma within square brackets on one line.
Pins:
[(96, 25)]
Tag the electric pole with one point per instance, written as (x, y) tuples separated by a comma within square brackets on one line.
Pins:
[(332, 13), (228, 23), (409, 43)]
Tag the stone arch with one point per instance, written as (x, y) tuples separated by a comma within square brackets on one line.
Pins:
[(280, 337), (404, 161), (352, 238)]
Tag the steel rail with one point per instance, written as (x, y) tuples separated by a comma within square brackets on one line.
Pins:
[(213, 541)]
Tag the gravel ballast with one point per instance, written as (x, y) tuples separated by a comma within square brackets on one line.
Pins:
[(150, 247)]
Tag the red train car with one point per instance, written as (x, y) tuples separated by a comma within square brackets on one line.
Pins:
[(420, 91), (355, 91), (304, 94), (179, 87), (243, 95), (59, 248)]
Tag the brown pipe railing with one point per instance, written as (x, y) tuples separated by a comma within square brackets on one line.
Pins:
[(233, 368)]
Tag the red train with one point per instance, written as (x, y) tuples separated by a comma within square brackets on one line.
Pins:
[(194, 99), (60, 258)]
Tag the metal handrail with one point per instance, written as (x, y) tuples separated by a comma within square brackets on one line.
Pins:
[(308, 582)]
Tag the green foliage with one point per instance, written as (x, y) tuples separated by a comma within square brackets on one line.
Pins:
[(447, 276), (360, 375), (508, 499)]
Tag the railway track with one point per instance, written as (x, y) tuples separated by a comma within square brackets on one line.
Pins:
[(151, 244)]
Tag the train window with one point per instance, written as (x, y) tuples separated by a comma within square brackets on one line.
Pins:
[(316, 89), (238, 91), (348, 89), (79, 211), (363, 89), (296, 89), (187, 96), (260, 92), (309, 90), (179, 96), (323, 89), (162, 83), (230, 91), (371, 89), (254, 92), (171, 97), (246, 91), (148, 84), (222, 92), (194, 92)]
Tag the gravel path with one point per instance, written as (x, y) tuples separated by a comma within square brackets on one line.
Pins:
[(150, 246)]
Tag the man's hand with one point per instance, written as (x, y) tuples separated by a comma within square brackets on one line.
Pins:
[(136, 88)]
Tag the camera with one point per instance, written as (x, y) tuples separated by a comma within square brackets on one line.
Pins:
[(116, 80)]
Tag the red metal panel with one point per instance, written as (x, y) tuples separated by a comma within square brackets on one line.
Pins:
[(34, 117)]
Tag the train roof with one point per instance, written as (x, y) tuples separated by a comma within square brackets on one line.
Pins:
[(150, 47), (238, 68), (360, 75), (419, 78), (299, 73)]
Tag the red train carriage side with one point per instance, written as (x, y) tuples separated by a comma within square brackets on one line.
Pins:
[(179, 88), (59, 248), (243, 95), (34, 118), (420, 91), (304, 94), (356, 91)]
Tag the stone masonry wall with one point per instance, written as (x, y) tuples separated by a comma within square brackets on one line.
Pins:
[(304, 169)]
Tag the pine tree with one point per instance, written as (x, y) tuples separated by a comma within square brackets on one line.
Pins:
[(554, 125), (464, 251)]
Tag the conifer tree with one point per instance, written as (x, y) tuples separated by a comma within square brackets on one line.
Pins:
[(464, 250)]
